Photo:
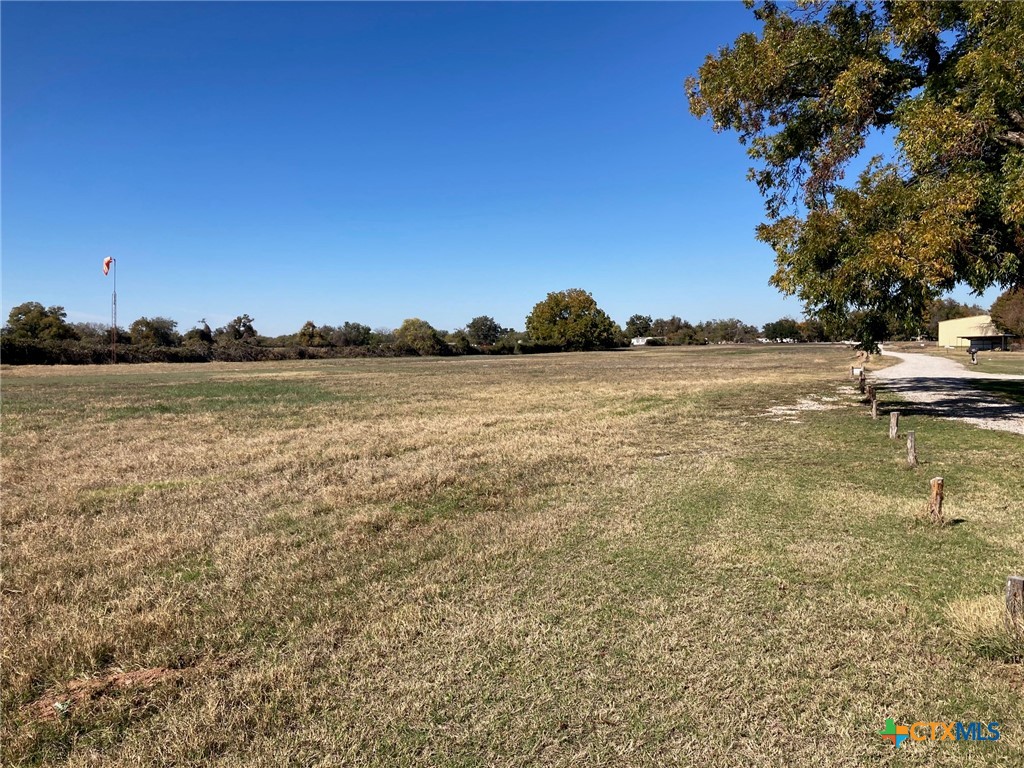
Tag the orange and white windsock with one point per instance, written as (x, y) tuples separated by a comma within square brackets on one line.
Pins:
[(106, 265)]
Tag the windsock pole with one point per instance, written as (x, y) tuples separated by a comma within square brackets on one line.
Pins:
[(110, 263), (113, 316)]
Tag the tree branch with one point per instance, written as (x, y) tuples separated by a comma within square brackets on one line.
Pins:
[(934, 58), (1012, 137), (883, 118)]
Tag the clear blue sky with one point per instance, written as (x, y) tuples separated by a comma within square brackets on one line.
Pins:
[(372, 162)]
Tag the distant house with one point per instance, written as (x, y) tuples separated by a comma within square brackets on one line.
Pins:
[(641, 341), (978, 332)]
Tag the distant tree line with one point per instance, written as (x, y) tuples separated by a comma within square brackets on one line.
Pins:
[(567, 320), (1007, 314), (676, 331), (35, 334)]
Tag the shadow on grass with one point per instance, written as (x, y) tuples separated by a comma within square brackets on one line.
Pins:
[(994, 399), (1012, 390)]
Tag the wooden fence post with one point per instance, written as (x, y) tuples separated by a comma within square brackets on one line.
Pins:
[(874, 409), (1015, 605), (911, 449), (894, 424), (935, 502), (862, 382)]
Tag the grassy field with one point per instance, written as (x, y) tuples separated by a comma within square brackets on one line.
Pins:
[(988, 361), (638, 558)]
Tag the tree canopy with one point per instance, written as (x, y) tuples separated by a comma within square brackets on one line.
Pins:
[(201, 334), (571, 320), (485, 331), (946, 309), (352, 335), (783, 328), (311, 336), (1008, 312), (239, 329), (638, 325), (156, 332), (946, 209), (420, 337), (33, 321)]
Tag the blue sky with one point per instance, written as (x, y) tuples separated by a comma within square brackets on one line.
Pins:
[(372, 162)]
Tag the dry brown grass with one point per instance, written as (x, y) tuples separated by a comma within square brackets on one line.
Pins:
[(575, 559)]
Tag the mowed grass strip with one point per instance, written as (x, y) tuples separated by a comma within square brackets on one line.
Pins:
[(635, 558), (989, 361)]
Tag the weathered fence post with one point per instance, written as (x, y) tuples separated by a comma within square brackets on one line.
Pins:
[(1015, 605), (894, 424), (874, 409), (862, 382), (911, 449), (935, 502)]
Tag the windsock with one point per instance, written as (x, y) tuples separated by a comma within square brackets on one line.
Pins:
[(106, 265)]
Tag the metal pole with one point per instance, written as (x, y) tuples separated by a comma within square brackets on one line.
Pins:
[(113, 316)]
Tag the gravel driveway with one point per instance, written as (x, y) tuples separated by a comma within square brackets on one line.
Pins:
[(941, 387)]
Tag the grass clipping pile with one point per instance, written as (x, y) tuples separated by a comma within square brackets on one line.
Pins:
[(63, 702)]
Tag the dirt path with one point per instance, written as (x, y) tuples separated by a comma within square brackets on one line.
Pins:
[(941, 387)]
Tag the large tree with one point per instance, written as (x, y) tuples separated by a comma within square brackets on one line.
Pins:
[(945, 78), (155, 332), (420, 337), (783, 328), (946, 309), (639, 325), (33, 321), (352, 335), (1008, 312), (571, 320), (311, 336), (485, 331)]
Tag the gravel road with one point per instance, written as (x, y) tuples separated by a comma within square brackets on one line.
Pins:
[(940, 387)]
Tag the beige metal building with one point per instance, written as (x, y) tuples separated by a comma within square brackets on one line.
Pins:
[(974, 331)]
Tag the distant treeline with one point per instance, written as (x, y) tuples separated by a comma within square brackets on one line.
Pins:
[(564, 321), (41, 336)]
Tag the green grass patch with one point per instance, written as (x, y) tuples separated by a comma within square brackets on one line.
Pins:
[(1010, 390)]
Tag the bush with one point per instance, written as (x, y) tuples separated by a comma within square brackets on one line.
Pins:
[(33, 352)]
